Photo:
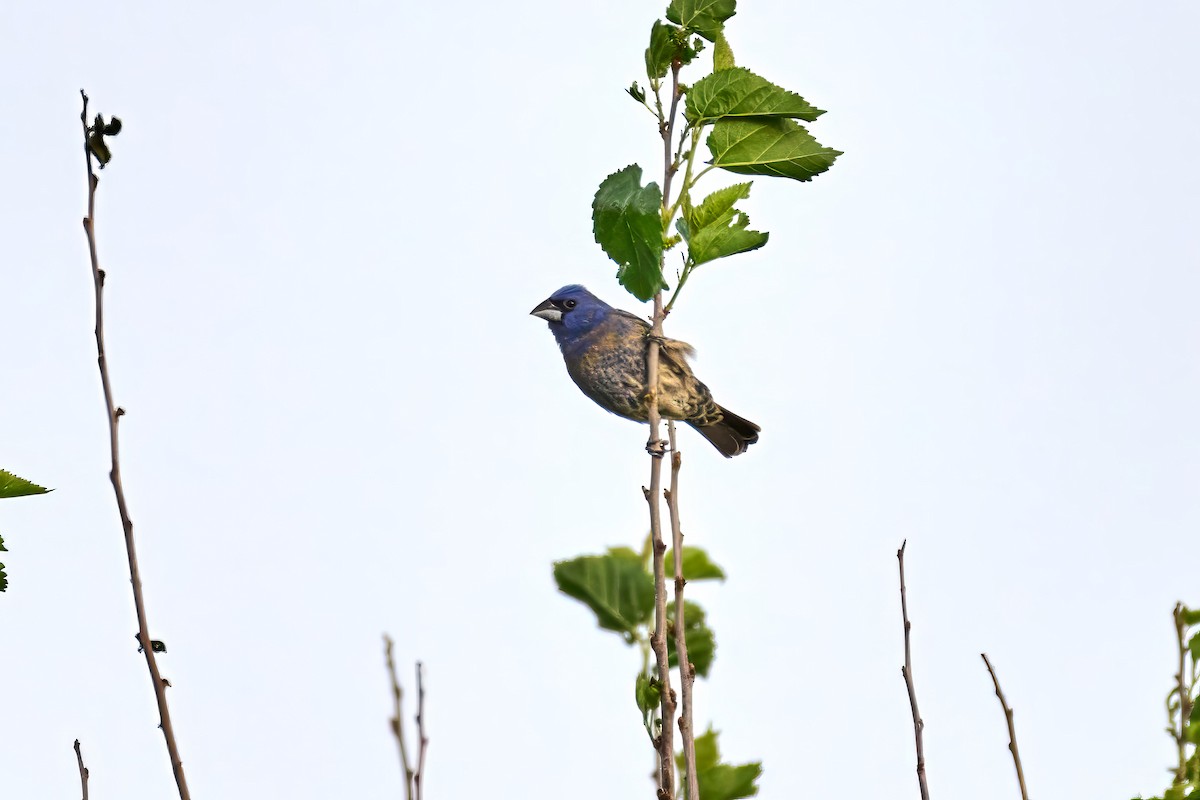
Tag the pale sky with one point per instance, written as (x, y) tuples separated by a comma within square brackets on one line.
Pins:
[(324, 227)]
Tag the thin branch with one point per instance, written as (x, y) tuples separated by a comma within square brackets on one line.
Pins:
[(83, 771), (657, 448), (1012, 730), (906, 671), (397, 722), (1185, 696), (422, 737), (687, 673), (669, 166), (114, 415)]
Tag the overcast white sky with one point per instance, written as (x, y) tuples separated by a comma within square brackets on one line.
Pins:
[(324, 227)]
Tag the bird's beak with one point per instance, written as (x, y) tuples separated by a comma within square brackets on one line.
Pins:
[(547, 311)]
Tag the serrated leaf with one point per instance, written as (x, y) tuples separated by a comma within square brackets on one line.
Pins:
[(717, 205), (768, 146), (3, 579), (715, 229), (701, 641), (627, 223), (3, 549), (705, 17), (722, 781), (12, 486), (664, 46), (738, 92), (615, 587), (726, 782), (697, 566)]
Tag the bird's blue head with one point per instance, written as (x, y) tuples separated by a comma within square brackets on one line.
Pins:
[(572, 311)]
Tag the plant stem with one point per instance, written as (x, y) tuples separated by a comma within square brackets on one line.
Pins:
[(687, 674), (1012, 730), (83, 771), (422, 737), (397, 721), (1185, 696), (658, 641), (656, 447), (114, 415), (906, 671)]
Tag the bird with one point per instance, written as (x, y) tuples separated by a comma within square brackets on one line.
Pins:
[(605, 351)]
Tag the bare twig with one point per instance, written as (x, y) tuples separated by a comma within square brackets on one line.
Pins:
[(397, 721), (1185, 696), (114, 415), (906, 671), (687, 673), (1012, 730), (83, 771), (656, 448), (422, 737)]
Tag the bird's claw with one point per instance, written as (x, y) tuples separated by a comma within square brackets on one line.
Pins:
[(657, 447)]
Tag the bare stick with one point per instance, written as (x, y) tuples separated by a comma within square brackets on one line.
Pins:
[(687, 673), (397, 722), (1185, 697), (906, 671), (656, 447), (423, 738), (1012, 730), (114, 415), (83, 771)]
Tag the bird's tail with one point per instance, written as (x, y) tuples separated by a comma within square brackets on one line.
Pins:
[(732, 435)]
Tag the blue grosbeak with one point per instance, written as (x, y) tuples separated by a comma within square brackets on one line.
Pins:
[(605, 351)]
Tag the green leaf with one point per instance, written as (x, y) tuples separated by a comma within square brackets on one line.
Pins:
[(615, 587), (716, 206), (701, 642), (3, 579), (3, 549), (722, 781), (648, 694), (627, 223), (1190, 616), (1193, 646), (738, 92), (768, 146), (705, 17), (725, 782), (696, 565), (715, 229), (12, 486), (663, 49)]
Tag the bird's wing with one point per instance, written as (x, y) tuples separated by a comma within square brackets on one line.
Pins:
[(672, 347), (680, 350)]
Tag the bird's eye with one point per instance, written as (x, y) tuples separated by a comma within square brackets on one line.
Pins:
[(568, 304)]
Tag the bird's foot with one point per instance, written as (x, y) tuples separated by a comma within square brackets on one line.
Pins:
[(657, 447)]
